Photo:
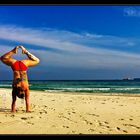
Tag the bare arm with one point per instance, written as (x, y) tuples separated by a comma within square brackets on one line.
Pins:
[(32, 59), (31, 56), (7, 57)]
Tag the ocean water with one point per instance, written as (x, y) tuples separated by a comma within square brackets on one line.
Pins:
[(91, 86)]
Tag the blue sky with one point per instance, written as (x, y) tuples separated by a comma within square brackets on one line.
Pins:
[(73, 42)]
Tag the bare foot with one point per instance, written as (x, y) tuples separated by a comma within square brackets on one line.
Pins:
[(13, 111), (28, 111), (23, 49)]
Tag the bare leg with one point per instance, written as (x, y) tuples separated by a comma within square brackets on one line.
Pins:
[(7, 58), (27, 94), (32, 59), (13, 106)]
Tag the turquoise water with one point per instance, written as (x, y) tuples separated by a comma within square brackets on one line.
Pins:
[(94, 86)]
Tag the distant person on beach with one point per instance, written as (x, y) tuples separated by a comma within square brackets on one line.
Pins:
[(20, 80)]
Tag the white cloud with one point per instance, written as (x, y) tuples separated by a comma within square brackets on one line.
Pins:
[(132, 11), (76, 54)]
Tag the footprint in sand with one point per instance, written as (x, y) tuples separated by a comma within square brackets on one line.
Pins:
[(24, 118), (125, 131), (118, 128), (69, 113), (43, 112), (70, 100), (53, 125), (91, 130), (88, 122), (27, 118), (73, 131), (73, 112), (121, 119), (93, 114), (30, 123), (131, 125), (80, 133), (107, 126), (52, 109), (64, 126), (106, 122), (130, 119), (12, 116)]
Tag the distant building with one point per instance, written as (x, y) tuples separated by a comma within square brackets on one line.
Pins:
[(128, 78)]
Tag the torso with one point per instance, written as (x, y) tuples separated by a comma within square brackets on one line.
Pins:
[(20, 79)]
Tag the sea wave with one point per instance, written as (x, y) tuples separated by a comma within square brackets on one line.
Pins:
[(117, 90), (5, 85)]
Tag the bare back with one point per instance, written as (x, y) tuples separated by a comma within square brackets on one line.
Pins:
[(20, 79)]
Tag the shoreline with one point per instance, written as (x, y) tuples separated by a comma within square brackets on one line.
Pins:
[(71, 113), (82, 93)]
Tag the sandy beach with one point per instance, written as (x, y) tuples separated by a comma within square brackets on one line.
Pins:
[(71, 113)]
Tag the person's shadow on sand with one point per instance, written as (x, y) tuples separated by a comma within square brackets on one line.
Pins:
[(5, 110)]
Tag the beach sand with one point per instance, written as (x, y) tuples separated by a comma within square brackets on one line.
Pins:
[(71, 113)]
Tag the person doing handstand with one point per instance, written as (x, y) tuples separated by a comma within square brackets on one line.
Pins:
[(20, 86)]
